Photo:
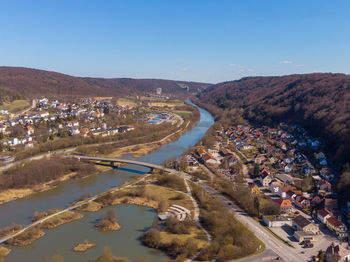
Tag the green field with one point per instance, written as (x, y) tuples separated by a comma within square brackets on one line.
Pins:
[(15, 106), (183, 113)]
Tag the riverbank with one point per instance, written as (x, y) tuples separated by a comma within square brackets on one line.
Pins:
[(132, 218), (4, 252), (26, 238), (14, 194), (137, 150), (63, 218)]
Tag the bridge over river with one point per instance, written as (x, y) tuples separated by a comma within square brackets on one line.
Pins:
[(126, 161)]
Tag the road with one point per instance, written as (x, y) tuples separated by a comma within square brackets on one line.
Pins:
[(69, 150), (287, 253), (36, 223)]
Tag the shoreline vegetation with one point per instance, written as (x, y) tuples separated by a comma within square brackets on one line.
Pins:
[(82, 247), (34, 233), (56, 221), (108, 222), (14, 193), (4, 252), (27, 237)]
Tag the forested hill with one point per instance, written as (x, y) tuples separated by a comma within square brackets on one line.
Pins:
[(320, 102), (33, 82)]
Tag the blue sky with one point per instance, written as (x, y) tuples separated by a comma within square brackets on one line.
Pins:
[(209, 41)]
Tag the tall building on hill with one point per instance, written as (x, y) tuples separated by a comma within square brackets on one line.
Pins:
[(159, 91)]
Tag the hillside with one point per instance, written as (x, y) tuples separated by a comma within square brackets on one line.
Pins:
[(319, 102), (33, 82)]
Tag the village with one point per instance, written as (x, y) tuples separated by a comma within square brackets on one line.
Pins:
[(53, 119), (287, 173)]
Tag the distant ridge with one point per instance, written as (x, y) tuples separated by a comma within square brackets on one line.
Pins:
[(34, 82)]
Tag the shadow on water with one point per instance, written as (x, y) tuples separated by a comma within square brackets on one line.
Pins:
[(129, 170)]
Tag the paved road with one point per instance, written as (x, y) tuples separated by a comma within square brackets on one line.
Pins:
[(285, 252), (69, 150), (267, 255)]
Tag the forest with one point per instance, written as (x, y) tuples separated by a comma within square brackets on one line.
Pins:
[(320, 102), (41, 171), (34, 82)]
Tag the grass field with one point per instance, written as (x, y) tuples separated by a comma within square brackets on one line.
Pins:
[(126, 102), (183, 113), (168, 104), (15, 106), (172, 197)]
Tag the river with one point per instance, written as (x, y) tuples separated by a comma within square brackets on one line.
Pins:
[(133, 219)]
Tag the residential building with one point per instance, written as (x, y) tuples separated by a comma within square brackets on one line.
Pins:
[(277, 221), (254, 189), (285, 204), (337, 227), (337, 253), (265, 179), (323, 215), (300, 223)]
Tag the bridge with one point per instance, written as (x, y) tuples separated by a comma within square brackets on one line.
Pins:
[(124, 161)]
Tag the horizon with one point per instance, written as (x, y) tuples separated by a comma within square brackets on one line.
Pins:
[(179, 80), (198, 41)]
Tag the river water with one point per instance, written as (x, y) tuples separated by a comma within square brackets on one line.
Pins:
[(133, 219)]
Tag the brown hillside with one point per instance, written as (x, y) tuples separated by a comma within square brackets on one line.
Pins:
[(34, 82), (319, 102)]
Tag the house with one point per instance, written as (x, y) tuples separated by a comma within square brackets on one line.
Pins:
[(2, 129), (275, 187), (12, 142), (323, 215), (277, 221), (73, 131), (288, 168), (259, 159), (302, 202), (59, 126), (43, 114), (254, 189), (265, 179), (284, 189), (207, 158), (264, 172), (290, 195), (324, 185), (302, 236), (337, 227), (330, 203), (231, 160), (226, 152), (68, 124), (323, 162), (337, 253), (75, 123), (319, 155), (316, 200), (285, 178), (200, 152), (29, 130), (285, 204), (300, 223), (84, 131)]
